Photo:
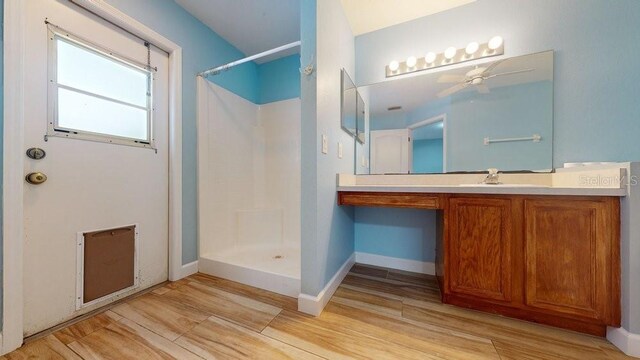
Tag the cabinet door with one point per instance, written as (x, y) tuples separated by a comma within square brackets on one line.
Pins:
[(479, 246), (568, 256)]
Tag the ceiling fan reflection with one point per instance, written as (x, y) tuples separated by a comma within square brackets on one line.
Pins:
[(475, 78)]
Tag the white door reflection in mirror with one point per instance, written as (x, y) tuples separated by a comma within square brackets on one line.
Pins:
[(391, 152)]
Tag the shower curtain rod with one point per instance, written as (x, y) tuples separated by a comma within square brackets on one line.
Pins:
[(217, 70)]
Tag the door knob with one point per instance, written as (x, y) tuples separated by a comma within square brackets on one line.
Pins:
[(36, 178)]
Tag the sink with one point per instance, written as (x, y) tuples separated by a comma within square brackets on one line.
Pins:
[(502, 185)]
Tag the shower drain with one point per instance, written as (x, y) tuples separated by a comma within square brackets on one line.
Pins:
[(278, 257)]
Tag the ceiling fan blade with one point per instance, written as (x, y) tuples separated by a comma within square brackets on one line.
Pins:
[(451, 78), (493, 66), (452, 90), (483, 89), (509, 73)]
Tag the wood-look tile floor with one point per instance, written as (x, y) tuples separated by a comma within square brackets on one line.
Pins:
[(375, 314)]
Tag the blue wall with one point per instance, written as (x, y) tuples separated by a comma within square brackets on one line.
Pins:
[(429, 110), (279, 79), (596, 72), (390, 121), (400, 233), (427, 156)]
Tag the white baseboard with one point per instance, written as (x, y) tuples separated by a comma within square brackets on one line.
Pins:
[(415, 266), (313, 305), (628, 343), (188, 269)]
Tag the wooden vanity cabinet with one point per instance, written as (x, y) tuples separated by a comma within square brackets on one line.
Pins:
[(548, 259), (571, 250), (479, 248)]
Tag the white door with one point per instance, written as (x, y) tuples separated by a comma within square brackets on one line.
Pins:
[(102, 174), (391, 152)]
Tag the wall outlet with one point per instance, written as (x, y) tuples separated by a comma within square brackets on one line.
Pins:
[(325, 144), (340, 150)]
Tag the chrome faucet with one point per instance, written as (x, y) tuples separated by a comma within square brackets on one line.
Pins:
[(492, 178)]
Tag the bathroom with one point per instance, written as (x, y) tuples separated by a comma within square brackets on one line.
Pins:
[(261, 205)]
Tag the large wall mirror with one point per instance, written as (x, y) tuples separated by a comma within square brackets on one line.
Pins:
[(494, 115)]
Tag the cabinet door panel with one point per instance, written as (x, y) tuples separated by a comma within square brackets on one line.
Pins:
[(567, 252), (480, 247)]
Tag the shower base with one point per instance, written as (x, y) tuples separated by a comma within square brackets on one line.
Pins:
[(268, 267)]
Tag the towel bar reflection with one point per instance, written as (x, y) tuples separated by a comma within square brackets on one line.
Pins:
[(534, 138)]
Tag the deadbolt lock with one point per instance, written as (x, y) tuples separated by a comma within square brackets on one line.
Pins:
[(36, 153), (36, 178)]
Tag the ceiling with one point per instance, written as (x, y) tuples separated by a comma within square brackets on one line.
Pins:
[(369, 15), (416, 91), (252, 26)]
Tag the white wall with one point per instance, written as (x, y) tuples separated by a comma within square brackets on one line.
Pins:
[(226, 131), (249, 170), (281, 123)]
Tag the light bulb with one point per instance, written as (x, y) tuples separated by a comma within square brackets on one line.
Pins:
[(450, 53), (471, 48), (430, 58), (394, 65), (411, 61), (495, 42)]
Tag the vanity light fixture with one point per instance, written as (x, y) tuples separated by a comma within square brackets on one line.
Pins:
[(471, 48), (430, 58), (495, 43), (394, 65), (412, 61), (452, 55)]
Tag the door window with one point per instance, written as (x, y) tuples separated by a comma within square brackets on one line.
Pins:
[(95, 94)]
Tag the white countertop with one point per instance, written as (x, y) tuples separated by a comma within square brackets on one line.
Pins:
[(585, 181), (499, 189)]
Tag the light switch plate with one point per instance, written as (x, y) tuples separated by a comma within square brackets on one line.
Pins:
[(365, 162), (325, 144), (340, 150)]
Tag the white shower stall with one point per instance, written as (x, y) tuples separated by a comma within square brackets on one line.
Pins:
[(249, 189)]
